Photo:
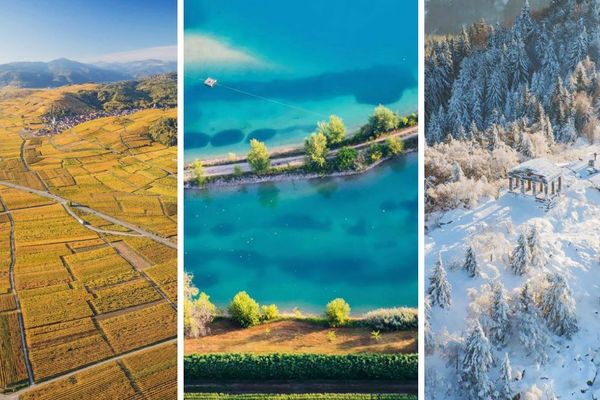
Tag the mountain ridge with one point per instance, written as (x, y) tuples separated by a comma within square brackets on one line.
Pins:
[(63, 71)]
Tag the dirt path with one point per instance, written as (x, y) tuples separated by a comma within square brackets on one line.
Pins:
[(283, 387), (221, 168), (297, 336), (138, 262), (68, 204), (133, 258)]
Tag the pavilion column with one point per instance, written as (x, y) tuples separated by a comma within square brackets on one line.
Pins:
[(559, 184), (522, 186), (528, 185), (545, 191), (553, 192), (510, 182), (534, 189)]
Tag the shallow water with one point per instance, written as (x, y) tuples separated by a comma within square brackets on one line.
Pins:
[(303, 243), (321, 57)]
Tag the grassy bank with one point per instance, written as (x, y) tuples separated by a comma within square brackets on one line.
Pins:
[(307, 396)]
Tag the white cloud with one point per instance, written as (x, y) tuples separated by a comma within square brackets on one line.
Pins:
[(163, 53), (202, 50)]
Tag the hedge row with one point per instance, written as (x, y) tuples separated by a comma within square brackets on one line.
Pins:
[(308, 396), (398, 367)]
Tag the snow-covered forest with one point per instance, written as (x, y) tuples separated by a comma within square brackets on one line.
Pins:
[(497, 95), (513, 298)]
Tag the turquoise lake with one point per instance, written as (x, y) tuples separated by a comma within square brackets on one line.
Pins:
[(303, 243), (317, 57)]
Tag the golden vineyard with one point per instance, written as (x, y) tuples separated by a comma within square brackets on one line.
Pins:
[(88, 259)]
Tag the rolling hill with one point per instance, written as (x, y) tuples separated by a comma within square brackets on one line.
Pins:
[(62, 72)]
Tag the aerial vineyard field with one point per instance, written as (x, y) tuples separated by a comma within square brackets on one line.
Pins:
[(124, 295), (101, 267), (155, 372), (4, 254), (7, 302), (48, 361), (12, 365), (17, 199), (139, 328), (165, 276), (48, 224), (55, 307), (106, 382)]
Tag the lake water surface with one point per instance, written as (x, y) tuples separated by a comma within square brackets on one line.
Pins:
[(327, 57), (303, 243), (300, 244)]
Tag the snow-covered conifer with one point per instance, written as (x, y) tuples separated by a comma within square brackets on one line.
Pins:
[(558, 307), (520, 258), (429, 337), (439, 290), (505, 391), (529, 326), (536, 250), (471, 265), (499, 316), (475, 365)]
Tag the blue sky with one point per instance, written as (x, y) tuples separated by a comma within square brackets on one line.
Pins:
[(87, 30)]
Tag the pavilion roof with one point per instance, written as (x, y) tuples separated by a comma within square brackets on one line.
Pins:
[(537, 169)]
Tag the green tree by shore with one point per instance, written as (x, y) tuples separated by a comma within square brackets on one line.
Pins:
[(244, 310), (334, 130), (383, 120), (198, 169), (316, 150), (337, 312), (258, 157)]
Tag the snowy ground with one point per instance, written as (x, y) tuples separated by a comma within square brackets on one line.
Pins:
[(570, 233)]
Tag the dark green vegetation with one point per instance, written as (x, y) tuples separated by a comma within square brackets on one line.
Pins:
[(155, 91), (304, 396), (398, 367), (164, 131)]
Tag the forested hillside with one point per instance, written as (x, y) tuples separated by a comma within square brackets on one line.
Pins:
[(447, 16), (510, 93), (159, 91)]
